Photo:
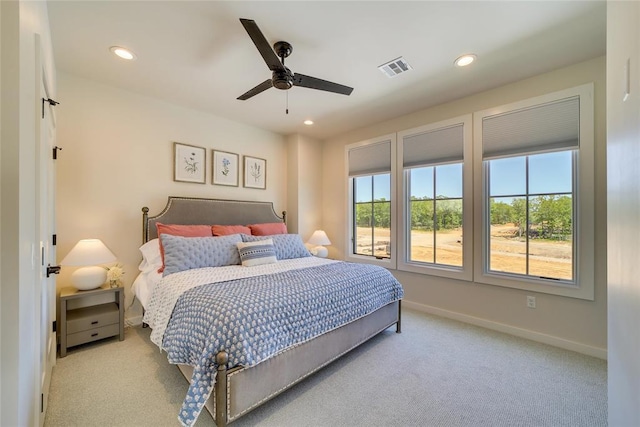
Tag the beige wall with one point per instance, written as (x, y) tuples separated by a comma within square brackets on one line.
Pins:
[(292, 183), (567, 322), (623, 181), (118, 157), (304, 185)]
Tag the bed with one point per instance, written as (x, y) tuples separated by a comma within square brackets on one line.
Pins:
[(231, 376)]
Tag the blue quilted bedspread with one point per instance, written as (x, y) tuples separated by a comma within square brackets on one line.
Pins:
[(254, 319)]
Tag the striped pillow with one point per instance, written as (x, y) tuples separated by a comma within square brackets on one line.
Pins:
[(257, 253)]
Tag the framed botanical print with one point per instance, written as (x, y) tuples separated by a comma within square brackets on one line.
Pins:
[(189, 163), (225, 168), (255, 172)]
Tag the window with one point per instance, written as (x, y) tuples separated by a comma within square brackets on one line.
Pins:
[(372, 215), (534, 224), (436, 214), (503, 196), (531, 215), (371, 201)]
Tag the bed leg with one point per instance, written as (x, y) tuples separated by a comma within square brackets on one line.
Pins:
[(399, 323), (222, 358)]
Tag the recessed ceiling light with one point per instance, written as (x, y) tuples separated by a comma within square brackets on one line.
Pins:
[(465, 60), (123, 53), (308, 122)]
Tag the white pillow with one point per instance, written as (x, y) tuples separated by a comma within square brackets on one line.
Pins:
[(257, 253), (150, 256)]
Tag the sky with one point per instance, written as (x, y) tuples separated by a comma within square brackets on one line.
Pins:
[(548, 173)]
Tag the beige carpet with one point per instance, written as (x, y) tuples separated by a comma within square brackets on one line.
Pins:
[(438, 372)]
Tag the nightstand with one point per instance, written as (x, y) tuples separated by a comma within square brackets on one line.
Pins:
[(87, 316)]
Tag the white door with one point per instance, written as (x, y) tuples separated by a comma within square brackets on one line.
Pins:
[(45, 206)]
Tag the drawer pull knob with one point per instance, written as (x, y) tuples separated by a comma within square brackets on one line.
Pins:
[(95, 322), (94, 335)]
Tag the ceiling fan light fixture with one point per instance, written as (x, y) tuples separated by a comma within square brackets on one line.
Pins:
[(123, 53), (308, 122), (282, 79), (464, 60)]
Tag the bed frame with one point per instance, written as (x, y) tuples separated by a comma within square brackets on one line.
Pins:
[(239, 390)]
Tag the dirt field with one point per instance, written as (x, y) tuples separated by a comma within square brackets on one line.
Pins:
[(548, 259)]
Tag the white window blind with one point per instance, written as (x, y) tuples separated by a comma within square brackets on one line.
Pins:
[(437, 146), (547, 127), (370, 159)]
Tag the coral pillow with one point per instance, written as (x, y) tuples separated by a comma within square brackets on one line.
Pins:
[(183, 231), (225, 230), (268, 229)]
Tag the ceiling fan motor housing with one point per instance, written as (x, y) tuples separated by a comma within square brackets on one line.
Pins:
[(283, 79)]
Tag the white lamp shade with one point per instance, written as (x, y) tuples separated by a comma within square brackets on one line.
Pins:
[(316, 241), (87, 254), (319, 238)]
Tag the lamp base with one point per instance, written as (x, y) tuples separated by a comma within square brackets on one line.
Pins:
[(319, 251), (87, 278)]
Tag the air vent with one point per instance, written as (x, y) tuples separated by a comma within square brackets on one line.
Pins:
[(395, 67)]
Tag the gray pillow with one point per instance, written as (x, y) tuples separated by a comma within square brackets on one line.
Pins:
[(186, 253), (287, 246)]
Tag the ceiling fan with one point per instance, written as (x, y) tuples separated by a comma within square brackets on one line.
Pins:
[(283, 78)]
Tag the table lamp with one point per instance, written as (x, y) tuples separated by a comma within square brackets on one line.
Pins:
[(87, 253), (317, 240)]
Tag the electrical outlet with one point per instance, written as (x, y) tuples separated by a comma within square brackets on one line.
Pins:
[(531, 301)]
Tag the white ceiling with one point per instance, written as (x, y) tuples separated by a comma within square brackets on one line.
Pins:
[(197, 54)]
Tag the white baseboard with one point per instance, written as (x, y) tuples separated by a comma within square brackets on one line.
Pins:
[(600, 353)]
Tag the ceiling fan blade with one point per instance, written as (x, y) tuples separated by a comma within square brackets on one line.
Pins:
[(316, 83), (269, 56), (256, 90)]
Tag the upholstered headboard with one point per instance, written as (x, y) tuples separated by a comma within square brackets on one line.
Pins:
[(196, 211)]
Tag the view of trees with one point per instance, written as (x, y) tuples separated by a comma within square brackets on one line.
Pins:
[(448, 213), (379, 217), (550, 217)]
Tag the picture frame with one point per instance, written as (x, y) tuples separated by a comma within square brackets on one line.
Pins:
[(225, 168), (189, 163), (255, 172)]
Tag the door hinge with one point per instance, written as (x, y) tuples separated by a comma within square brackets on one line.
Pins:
[(41, 402), (54, 239), (53, 269), (55, 152), (54, 326), (50, 101)]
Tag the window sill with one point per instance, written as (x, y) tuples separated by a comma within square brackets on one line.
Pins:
[(582, 291)]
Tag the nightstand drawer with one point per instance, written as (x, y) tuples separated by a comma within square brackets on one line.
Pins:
[(91, 315), (88, 318), (92, 335)]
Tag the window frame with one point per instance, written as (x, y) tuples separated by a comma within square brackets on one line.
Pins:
[(584, 192), (404, 263), (390, 262)]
